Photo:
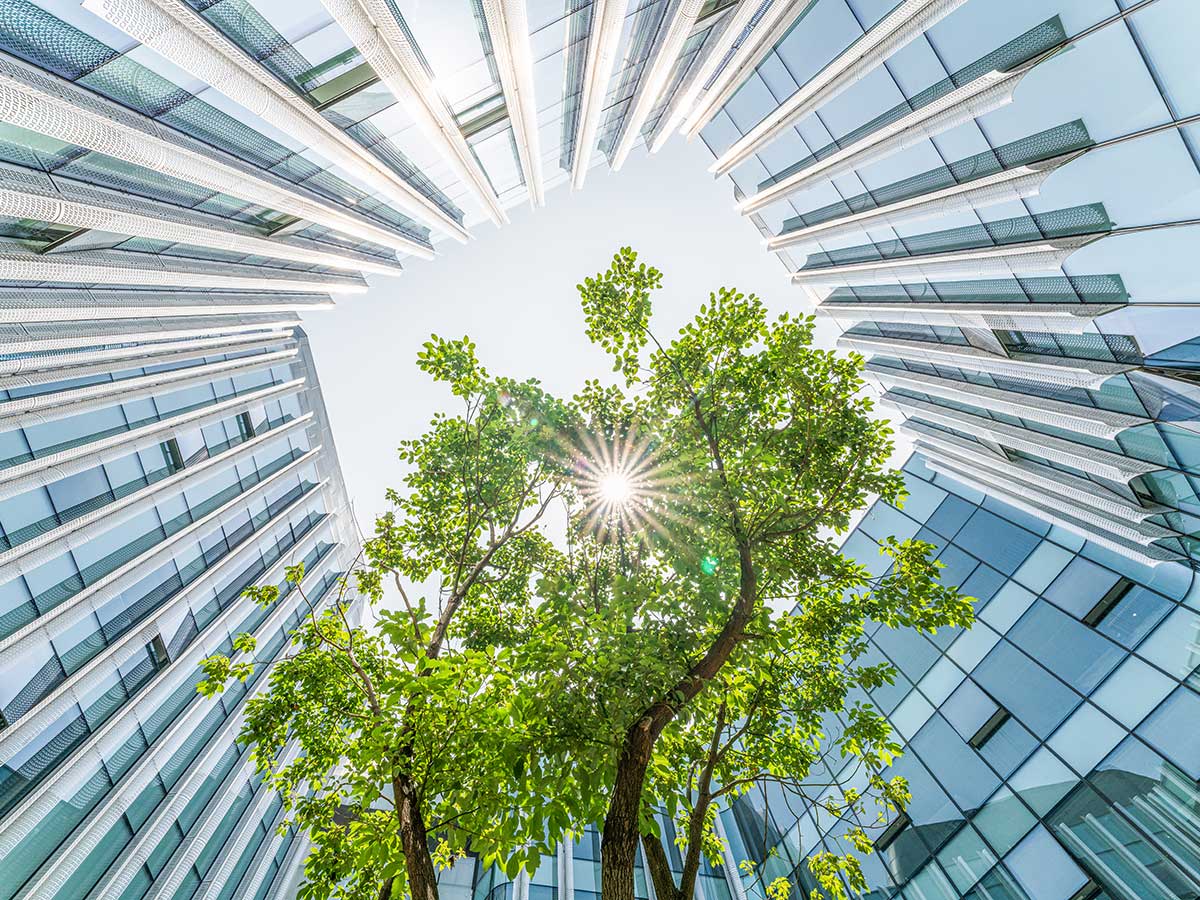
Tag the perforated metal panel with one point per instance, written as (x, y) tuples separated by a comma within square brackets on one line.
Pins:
[(1095, 530), (37, 101), (101, 267), (26, 194), (508, 33), (191, 43), (1057, 317), (907, 21), (1092, 460), (1067, 416)]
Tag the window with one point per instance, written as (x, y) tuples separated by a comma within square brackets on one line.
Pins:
[(158, 652), (1105, 605), (1076, 654), (989, 728), (892, 832), (173, 455), (245, 426), (1037, 698)]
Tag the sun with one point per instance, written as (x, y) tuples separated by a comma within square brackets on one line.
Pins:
[(615, 488), (622, 486)]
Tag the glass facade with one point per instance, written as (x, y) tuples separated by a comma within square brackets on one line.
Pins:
[(993, 205), (145, 484), (996, 200), (1050, 749)]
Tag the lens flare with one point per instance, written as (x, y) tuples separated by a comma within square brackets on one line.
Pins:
[(616, 488), (624, 487)]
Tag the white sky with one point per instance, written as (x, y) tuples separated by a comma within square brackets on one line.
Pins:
[(513, 291)]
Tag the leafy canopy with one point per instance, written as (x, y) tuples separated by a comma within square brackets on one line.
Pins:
[(553, 657)]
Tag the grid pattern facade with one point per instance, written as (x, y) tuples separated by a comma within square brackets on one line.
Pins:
[(993, 206), (997, 200), (152, 470), (1051, 749)]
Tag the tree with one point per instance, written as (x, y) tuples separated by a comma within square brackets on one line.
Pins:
[(752, 446), (607, 579), (771, 717), (407, 731)]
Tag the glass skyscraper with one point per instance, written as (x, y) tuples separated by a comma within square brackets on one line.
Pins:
[(997, 200)]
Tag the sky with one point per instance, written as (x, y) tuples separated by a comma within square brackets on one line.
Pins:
[(512, 289)]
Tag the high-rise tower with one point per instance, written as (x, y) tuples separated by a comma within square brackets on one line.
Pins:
[(998, 200)]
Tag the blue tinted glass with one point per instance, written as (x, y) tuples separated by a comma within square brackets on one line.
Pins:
[(1043, 868), (1081, 586), (996, 541), (909, 650), (1174, 728), (983, 585), (950, 516), (958, 565), (958, 767), (1134, 617), (1029, 692), (1066, 647)]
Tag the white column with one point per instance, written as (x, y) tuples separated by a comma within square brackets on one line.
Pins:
[(172, 29), (78, 531), (897, 29), (45, 337), (1094, 529), (755, 27), (46, 469), (40, 368), (36, 304), (604, 38), (508, 28), (1083, 373), (1113, 466), (655, 77), (1035, 478), (1087, 420), (92, 598), (388, 48), (37, 409), (29, 813)]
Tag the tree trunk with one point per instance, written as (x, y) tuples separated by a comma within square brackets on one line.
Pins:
[(619, 839), (414, 841), (691, 859), (660, 869), (621, 833)]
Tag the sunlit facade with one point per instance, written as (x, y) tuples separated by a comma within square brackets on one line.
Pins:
[(997, 200), (152, 470), (1051, 750)]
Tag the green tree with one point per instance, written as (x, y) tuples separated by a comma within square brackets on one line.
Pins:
[(750, 447), (592, 597), (768, 718), (411, 748)]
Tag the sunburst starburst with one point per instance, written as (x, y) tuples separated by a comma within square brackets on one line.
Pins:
[(621, 484)]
